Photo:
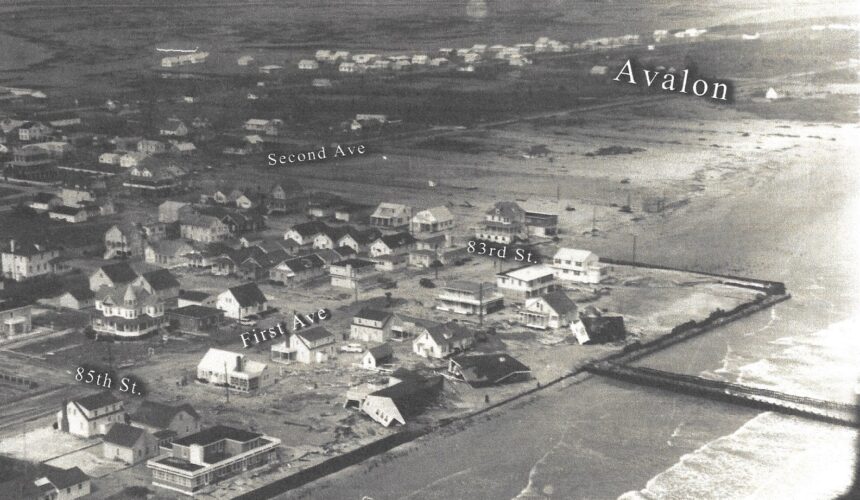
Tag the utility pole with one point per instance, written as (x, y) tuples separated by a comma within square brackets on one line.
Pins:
[(634, 248), (110, 355), (593, 220), (226, 382), (481, 304)]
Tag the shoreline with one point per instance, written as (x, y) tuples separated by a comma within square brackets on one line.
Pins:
[(378, 448)]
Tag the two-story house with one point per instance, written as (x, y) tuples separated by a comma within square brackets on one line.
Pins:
[(391, 216), (553, 310), (469, 297), (203, 228), (128, 311), (504, 223), (392, 244), (166, 422), (91, 415), (112, 275), (124, 240), (372, 325), (311, 346), (526, 282), (582, 266), (351, 273), (432, 220), (20, 261), (443, 340)]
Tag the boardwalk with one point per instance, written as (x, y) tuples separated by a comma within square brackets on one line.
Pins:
[(817, 409)]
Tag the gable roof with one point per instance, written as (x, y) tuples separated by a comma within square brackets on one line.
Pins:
[(160, 415), (248, 294), (559, 302), (373, 314), (506, 209), (305, 263), (215, 360), (385, 209), (448, 332), (435, 214), (96, 401), (63, 478), (311, 228), (604, 328), (314, 334), (43, 197), (161, 279), (381, 351), (120, 272), (81, 293), (489, 368), (573, 254), (123, 435)]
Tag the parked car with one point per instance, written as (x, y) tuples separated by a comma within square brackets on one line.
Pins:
[(352, 348), (426, 283)]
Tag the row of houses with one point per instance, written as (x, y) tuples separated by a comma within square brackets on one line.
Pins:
[(181, 455)]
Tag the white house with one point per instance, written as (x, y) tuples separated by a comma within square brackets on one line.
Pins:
[(583, 266), (311, 346), (371, 325), (392, 244), (376, 356), (441, 340), (308, 64), (91, 415), (432, 220), (391, 215), (242, 301), (526, 282), (110, 158), (221, 367), (553, 310)]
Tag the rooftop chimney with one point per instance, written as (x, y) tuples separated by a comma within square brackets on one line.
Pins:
[(12, 246)]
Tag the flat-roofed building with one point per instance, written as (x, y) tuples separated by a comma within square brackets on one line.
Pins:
[(526, 282), (469, 297), (210, 456)]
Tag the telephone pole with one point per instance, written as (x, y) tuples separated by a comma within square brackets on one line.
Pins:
[(226, 382), (634, 248), (481, 304)]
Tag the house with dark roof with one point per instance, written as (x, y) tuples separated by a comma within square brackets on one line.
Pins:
[(23, 260), (161, 283), (211, 455), (358, 240), (242, 301), (166, 422), (310, 346), (402, 399), (298, 270), (595, 327), (91, 415), (304, 233), (552, 310), (43, 202), (61, 484), (377, 356), (488, 369), (195, 319), (504, 223), (443, 340), (372, 325), (128, 444), (285, 198), (392, 244), (112, 275), (196, 298), (329, 237)]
